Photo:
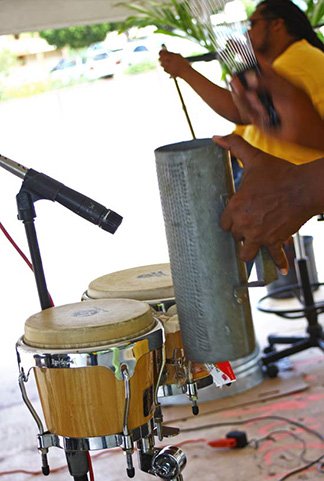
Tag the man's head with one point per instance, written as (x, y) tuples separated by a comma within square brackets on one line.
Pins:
[(276, 24)]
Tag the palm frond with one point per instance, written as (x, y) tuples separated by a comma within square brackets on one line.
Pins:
[(173, 17)]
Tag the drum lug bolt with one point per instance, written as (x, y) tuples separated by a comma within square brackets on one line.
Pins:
[(128, 448), (193, 396), (130, 467), (158, 419), (45, 466)]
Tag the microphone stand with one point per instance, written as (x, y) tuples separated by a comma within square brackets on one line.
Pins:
[(27, 214), (77, 461)]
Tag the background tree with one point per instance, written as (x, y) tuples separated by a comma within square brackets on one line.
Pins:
[(77, 37), (170, 18), (174, 17), (315, 12)]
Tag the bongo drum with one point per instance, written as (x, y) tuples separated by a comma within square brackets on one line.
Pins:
[(153, 284), (95, 369)]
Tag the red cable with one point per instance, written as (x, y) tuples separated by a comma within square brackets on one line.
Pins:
[(90, 467), (20, 471), (6, 233), (53, 470), (20, 252)]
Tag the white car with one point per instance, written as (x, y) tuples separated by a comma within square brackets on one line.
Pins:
[(100, 65), (68, 69), (139, 52)]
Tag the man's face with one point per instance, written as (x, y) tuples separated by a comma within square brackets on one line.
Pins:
[(260, 31)]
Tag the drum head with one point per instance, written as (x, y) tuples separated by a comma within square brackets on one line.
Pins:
[(88, 324), (143, 283)]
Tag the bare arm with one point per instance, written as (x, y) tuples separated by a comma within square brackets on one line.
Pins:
[(274, 200), (218, 98)]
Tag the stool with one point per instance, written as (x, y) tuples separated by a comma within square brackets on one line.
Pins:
[(314, 336)]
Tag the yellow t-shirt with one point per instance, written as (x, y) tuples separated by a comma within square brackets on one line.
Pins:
[(303, 65)]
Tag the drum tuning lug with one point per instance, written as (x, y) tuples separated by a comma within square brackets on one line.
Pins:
[(45, 466), (130, 472), (192, 391), (158, 420), (159, 431), (130, 467), (195, 408)]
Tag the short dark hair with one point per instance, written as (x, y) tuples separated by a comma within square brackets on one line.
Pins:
[(295, 19)]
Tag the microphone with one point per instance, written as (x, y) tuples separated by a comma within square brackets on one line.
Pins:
[(45, 187)]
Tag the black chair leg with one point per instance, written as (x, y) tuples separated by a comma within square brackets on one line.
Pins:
[(314, 333)]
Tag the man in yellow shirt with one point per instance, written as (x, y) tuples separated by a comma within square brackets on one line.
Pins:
[(281, 33)]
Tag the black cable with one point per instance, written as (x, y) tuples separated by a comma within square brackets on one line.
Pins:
[(255, 419), (302, 468), (261, 418), (271, 437)]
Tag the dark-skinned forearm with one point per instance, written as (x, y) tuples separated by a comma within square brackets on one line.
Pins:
[(218, 98)]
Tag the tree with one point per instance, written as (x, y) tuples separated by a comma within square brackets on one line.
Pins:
[(174, 17), (171, 18), (79, 36), (315, 12)]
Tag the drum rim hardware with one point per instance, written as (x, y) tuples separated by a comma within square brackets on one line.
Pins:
[(47, 440), (104, 356)]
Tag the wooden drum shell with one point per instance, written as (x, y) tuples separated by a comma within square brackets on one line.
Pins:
[(89, 401), (80, 351)]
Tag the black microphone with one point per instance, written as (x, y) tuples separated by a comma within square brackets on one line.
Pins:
[(44, 187)]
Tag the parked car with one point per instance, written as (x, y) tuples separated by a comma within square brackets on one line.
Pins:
[(139, 52), (100, 65), (68, 69)]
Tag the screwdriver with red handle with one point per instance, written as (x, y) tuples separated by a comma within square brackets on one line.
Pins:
[(233, 439)]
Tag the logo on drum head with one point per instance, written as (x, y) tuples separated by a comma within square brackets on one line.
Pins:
[(152, 274), (86, 313)]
